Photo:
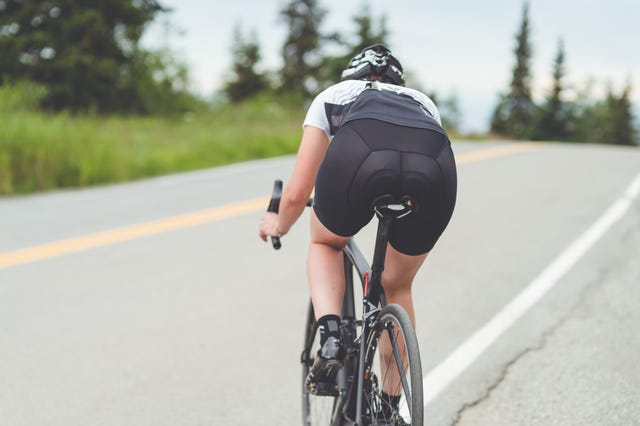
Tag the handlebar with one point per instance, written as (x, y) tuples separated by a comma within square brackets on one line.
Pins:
[(274, 207)]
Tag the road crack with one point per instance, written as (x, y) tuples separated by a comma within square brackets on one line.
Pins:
[(543, 341)]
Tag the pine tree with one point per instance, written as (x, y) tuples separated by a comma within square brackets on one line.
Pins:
[(301, 51), (609, 120), (514, 112), (83, 52), (586, 116), (618, 127), (246, 81), (367, 33), (553, 118)]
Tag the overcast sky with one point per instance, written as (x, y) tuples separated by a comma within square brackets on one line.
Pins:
[(461, 47)]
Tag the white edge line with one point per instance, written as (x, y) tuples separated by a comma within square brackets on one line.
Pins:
[(469, 351)]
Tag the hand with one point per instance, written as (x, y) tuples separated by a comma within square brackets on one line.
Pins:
[(269, 226)]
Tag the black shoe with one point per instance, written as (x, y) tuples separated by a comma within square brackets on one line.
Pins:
[(329, 360)]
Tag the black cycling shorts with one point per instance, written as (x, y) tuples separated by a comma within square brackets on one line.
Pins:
[(370, 158)]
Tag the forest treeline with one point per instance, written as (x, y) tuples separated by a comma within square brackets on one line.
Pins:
[(87, 57)]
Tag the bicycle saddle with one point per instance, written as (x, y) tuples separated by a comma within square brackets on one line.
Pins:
[(388, 206)]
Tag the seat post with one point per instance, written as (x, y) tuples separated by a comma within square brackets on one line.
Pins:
[(379, 254)]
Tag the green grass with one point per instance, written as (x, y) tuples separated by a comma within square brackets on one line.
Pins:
[(40, 151)]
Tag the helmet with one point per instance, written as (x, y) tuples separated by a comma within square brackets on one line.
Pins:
[(374, 61)]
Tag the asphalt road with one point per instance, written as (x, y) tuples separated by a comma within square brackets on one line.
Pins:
[(154, 302)]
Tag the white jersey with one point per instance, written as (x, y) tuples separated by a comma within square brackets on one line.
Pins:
[(354, 99)]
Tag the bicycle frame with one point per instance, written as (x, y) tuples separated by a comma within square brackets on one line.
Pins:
[(373, 297), (387, 208)]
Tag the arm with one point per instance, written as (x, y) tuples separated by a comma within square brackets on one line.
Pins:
[(310, 154)]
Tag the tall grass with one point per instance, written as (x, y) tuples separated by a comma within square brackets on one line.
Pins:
[(40, 151)]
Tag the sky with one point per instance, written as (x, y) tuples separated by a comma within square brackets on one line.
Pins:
[(461, 48)]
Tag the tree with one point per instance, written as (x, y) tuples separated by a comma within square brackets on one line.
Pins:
[(301, 52), (513, 114), (450, 113), (366, 34), (609, 120), (86, 53), (553, 116), (618, 127), (586, 116), (158, 84), (246, 81)]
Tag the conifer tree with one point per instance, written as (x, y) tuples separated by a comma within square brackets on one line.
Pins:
[(84, 53), (514, 112), (301, 52), (367, 33), (246, 81), (586, 116), (553, 117), (618, 127)]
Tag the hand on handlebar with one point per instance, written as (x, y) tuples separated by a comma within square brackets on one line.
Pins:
[(269, 221), (269, 226)]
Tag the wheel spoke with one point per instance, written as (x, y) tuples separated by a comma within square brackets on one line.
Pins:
[(399, 363), (395, 395)]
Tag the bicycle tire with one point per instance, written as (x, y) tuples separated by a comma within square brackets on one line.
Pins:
[(401, 375), (316, 410)]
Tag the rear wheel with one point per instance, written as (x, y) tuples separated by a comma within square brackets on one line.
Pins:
[(316, 410), (393, 390)]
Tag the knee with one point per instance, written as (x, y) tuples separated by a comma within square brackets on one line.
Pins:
[(395, 282), (397, 278), (400, 270)]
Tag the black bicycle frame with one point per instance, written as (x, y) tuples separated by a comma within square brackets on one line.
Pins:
[(373, 297), (387, 209)]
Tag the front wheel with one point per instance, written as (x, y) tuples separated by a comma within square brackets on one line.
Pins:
[(393, 374)]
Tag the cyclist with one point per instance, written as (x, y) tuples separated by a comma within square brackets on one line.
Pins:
[(386, 139)]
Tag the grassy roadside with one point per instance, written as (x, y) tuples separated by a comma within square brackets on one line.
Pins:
[(41, 151)]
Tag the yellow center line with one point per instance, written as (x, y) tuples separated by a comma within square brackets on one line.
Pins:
[(113, 236), (118, 235), (498, 151)]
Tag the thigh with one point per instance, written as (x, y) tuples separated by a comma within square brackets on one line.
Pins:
[(400, 269), (320, 234)]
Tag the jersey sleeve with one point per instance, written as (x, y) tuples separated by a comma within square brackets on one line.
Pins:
[(316, 115), (429, 105)]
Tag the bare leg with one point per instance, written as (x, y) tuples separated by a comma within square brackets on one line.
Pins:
[(325, 269), (397, 279)]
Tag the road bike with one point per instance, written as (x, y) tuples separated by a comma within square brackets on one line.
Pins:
[(382, 351)]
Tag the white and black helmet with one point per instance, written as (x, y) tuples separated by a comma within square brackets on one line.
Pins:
[(375, 61)]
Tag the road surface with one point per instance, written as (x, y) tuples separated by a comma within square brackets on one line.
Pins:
[(154, 302)]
